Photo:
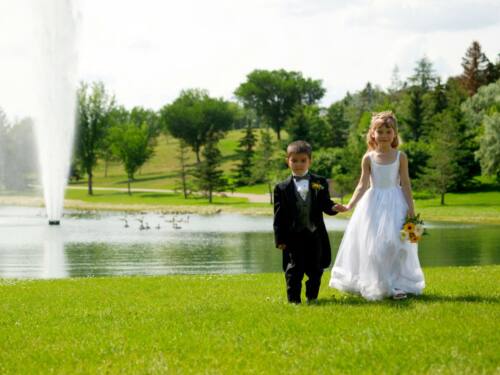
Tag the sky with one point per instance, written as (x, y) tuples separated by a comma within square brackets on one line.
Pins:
[(147, 51)]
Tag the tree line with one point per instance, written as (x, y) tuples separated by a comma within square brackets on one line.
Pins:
[(450, 130)]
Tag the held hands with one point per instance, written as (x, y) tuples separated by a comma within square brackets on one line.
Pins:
[(281, 246), (342, 208)]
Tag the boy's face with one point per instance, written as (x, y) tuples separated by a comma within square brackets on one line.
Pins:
[(299, 163)]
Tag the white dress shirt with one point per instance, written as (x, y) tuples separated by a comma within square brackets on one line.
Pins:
[(302, 186)]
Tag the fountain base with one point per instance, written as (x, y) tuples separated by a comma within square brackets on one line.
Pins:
[(54, 222)]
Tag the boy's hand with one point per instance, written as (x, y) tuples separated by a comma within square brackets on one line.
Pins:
[(282, 246), (340, 208)]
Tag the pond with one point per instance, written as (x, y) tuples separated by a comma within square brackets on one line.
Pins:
[(105, 244)]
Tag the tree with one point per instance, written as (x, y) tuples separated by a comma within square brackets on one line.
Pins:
[(194, 116), (323, 162), (481, 114), (493, 71), (210, 177), (133, 147), (339, 125), (475, 64), (443, 170), (4, 126), (414, 121), (17, 153), (345, 172), (307, 123), (439, 99), (418, 154), (274, 94), (184, 171), (424, 75), (246, 153), (118, 115), (267, 166), (489, 151), (396, 83), (479, 118), (94, 109)]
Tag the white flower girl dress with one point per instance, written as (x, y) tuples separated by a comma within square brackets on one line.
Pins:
[(373, 260)]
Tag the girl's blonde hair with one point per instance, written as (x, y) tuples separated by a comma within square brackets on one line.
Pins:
[(386, 118)]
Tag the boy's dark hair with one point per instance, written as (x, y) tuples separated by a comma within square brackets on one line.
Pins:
[(299, 147)]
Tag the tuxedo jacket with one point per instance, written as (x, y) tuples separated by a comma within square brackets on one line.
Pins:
[(286, 216)]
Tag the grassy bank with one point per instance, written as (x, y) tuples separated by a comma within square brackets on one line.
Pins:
[(242, 324), (483, 207)]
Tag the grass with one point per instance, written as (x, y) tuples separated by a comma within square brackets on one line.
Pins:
[(241, 324), (152, 200), (480, 207), (161, 170)]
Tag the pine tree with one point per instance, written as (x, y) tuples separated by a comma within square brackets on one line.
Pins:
[(475, 64), (415, 119), (443, 169), (424, 75), (246, 155), (210, 177), (439, 99), (339, 124)]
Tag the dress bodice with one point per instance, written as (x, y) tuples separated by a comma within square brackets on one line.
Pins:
[(384, 176)]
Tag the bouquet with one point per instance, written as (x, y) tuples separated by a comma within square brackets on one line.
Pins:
[(413, 229)]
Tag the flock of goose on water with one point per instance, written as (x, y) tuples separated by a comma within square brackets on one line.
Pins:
[(175, 221)]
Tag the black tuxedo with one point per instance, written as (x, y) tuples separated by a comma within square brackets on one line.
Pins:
[(306, 252)]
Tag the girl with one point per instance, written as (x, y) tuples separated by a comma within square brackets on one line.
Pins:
[(373, 260)]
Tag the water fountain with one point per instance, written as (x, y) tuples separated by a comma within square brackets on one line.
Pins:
[(54, 115)]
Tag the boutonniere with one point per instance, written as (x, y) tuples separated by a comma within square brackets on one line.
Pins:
[(317, 186)]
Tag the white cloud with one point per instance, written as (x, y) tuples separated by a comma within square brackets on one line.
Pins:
[(147, 52)]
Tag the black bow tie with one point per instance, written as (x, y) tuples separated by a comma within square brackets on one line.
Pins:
[(299, 178)]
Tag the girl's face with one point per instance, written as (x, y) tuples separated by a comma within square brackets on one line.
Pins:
[(383, 135)]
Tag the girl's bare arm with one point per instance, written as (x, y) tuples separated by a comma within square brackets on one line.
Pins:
[(363, 184)]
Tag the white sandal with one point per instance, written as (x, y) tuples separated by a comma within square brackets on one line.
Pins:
[(399, 294)]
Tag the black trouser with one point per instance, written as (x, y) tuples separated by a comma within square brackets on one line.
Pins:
[(304, 258)]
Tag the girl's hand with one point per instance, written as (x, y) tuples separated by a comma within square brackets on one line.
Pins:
[(282, 246), (411, 213), (340, 208)]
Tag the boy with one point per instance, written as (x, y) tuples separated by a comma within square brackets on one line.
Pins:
[(299, 229)]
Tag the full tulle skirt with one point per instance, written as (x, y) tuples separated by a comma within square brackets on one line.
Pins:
[(373, 260)]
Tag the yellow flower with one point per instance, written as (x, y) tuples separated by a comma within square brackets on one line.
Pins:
[(413, 237), (409, 227), (316, 186)]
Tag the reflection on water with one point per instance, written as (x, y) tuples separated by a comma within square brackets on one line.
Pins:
[(54, 258), (118, 244)]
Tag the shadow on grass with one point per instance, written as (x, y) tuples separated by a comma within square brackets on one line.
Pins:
[(354, 300), (144, 178)]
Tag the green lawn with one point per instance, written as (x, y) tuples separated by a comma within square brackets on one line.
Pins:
[(170, 201), (234, 324), (161, 170), (482, 207)]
